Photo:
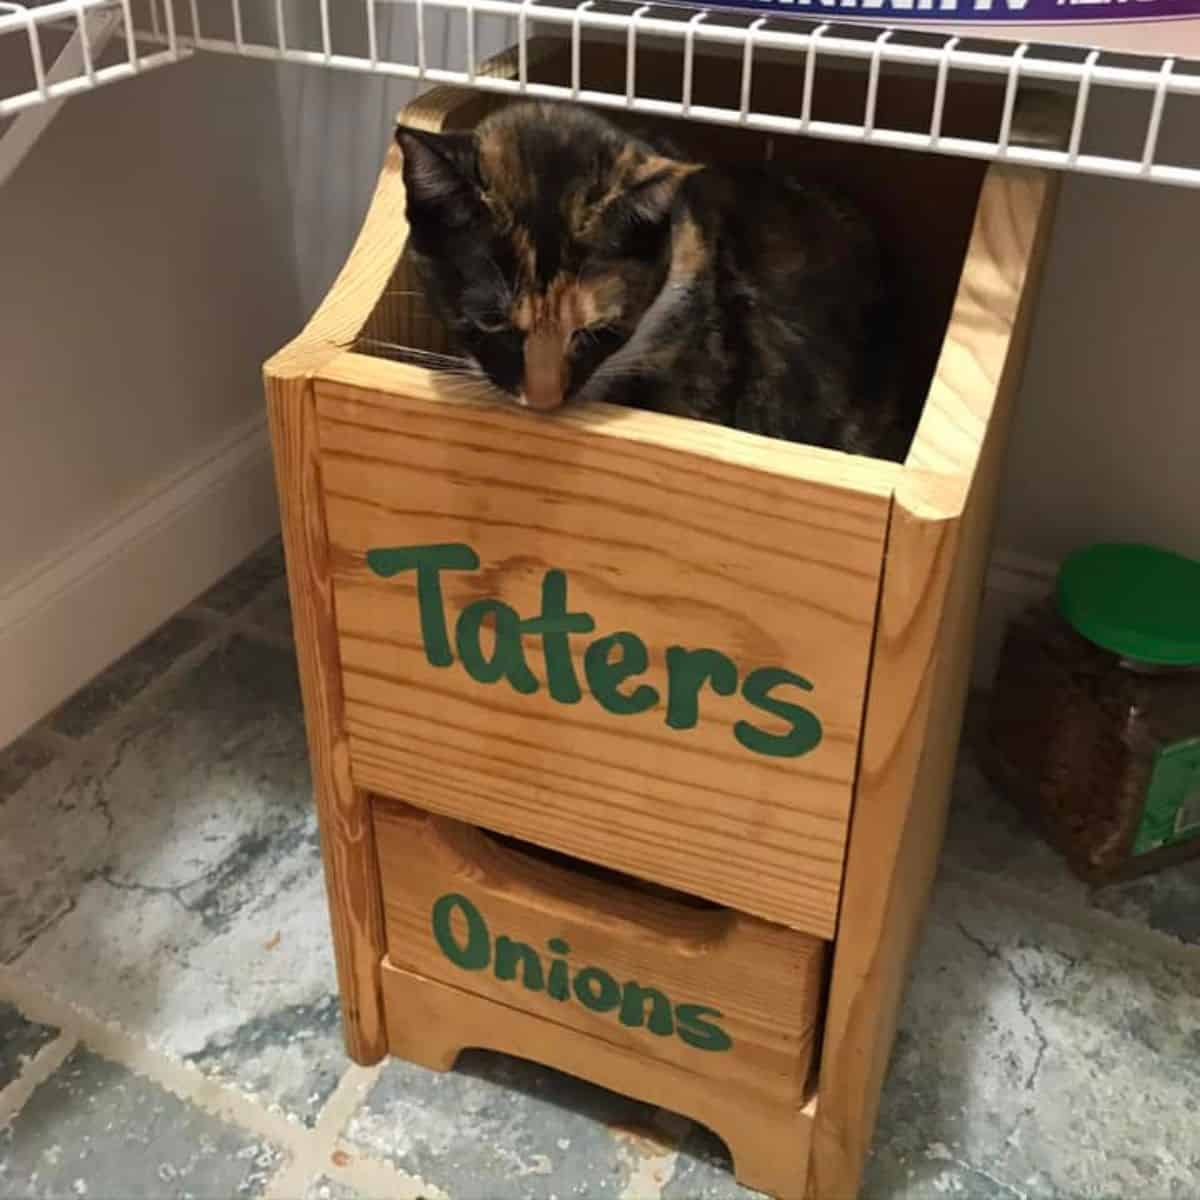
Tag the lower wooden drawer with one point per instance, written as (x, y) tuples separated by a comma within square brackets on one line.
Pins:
[(429, 1022), (654, 976)]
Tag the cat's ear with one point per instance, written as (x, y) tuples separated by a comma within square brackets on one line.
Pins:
[(439, 169)]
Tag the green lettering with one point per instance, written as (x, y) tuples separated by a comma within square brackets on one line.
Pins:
[(474, 955), (608, 662), (509, 954), (687, 672), (633, 1009), (553, 624), (508, 655), (597, 989), (605, 677), (558, 986), (805, 733), (699, 1033), (429, 562)]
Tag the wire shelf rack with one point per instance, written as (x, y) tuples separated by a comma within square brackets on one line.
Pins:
[(439, 40), (50, 51), (1134, 117)]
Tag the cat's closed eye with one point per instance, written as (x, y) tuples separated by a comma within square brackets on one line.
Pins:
[(485, 308), (492, 323)]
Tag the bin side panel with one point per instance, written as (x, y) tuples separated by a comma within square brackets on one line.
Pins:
[(936, 560), (347, 841)]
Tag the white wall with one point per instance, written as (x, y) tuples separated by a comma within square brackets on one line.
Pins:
[(338, 126), (147, 268), (1107, 439), (146, 250), (336, 131), (1107, 443)]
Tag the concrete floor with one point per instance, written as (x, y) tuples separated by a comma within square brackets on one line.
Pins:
[(168, 1024)]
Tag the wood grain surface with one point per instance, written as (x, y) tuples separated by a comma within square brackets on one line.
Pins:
[(680, 534), (762, 981)]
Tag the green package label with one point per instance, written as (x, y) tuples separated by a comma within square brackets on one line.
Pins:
[(1172, 811)]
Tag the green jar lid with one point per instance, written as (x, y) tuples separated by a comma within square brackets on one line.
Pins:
[(1137, 601)]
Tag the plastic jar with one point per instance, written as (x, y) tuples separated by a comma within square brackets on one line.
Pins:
[(1094, 724)]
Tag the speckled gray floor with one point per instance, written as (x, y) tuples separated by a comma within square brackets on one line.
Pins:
[(169, 1028)]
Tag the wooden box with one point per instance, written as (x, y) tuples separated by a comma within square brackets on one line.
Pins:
[(731, 667)]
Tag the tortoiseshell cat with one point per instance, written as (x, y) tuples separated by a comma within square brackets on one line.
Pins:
[(569, 258)]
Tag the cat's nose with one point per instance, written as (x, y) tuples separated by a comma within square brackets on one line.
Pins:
[(545, 384)]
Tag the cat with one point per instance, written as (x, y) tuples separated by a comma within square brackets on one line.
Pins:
[(570, 259)]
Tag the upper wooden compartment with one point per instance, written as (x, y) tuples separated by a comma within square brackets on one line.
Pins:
[(748, 570)]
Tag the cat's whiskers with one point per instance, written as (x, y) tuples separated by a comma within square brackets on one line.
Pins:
[(468, 381)]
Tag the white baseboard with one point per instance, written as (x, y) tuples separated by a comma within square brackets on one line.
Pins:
[(66, 620), (1013, 581)]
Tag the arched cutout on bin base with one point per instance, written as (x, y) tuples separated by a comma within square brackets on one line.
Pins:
[(434, 1023)]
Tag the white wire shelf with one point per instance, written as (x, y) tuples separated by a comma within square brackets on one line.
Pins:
[(1134, 117), (440, 41), (50, 51)]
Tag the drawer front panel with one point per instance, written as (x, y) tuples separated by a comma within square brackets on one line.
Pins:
[(647, 656), (698, 986)]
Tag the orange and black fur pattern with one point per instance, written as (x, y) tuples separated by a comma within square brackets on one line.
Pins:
[(572, 260)]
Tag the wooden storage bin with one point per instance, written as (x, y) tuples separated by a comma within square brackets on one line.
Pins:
[(851, 583)]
